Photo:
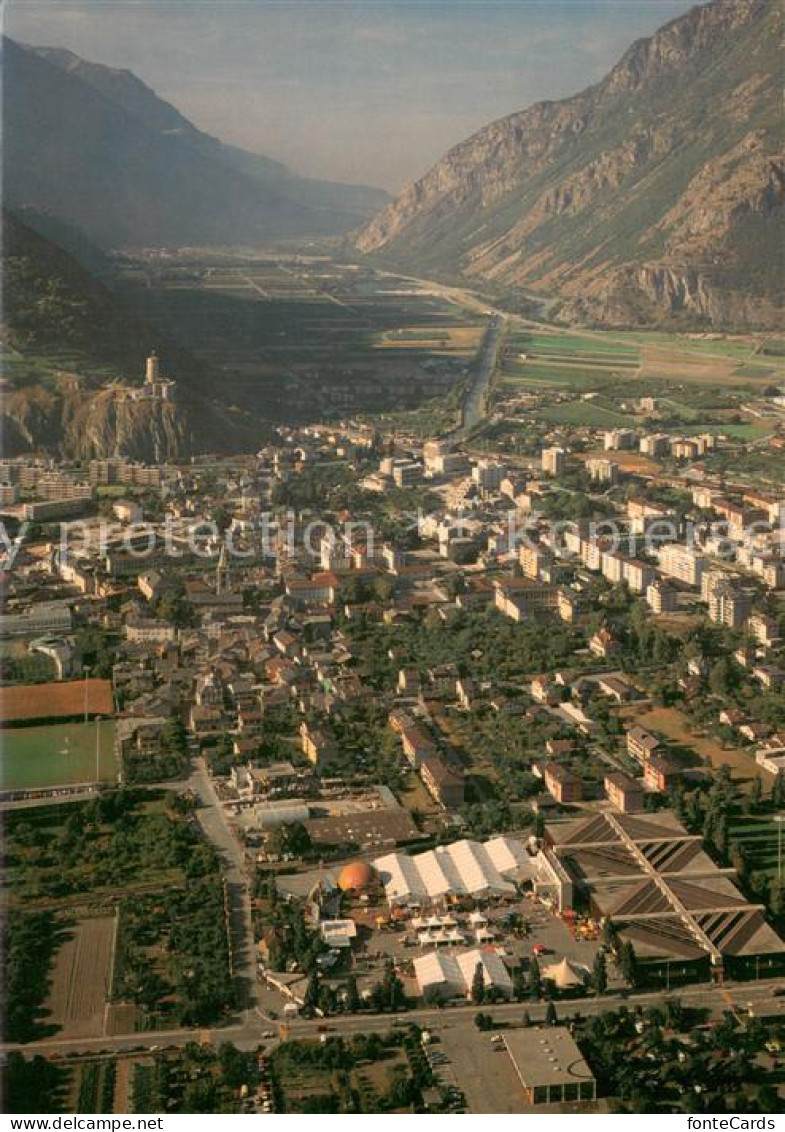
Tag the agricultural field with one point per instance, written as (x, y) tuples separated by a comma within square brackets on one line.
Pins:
[(591, 359), (80, 980), (300, 335), (539, 358), (62, 754), (71, 871), (79, 1085)]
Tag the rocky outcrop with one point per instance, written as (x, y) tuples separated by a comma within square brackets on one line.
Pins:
[(75, 422), (655, 195)]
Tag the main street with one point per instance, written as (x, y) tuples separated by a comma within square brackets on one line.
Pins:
[(249, 1030)]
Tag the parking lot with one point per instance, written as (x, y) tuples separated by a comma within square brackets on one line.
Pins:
[(481, 1069)]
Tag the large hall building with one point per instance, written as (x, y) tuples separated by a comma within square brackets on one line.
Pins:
[(661, 889)]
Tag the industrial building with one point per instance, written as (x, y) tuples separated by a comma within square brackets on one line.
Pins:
[(661, 889), (550, 1066)]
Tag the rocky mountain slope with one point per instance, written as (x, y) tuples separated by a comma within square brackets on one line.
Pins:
[(55, 309), (97, 148), (655, 195)]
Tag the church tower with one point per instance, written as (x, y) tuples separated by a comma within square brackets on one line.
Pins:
[(152, 373)]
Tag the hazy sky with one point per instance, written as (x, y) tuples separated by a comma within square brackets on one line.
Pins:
[(369, 91)]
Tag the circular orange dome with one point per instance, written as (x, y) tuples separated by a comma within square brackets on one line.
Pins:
[(357, 877)]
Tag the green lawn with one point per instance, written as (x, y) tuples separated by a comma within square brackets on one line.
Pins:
[(759, 836), (63, 754), (575, 344), (583, 413)]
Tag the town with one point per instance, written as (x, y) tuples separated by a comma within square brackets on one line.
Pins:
[(486, 736)]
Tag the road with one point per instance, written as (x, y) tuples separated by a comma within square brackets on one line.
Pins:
[(247, 1031), (216, 828), (474, 401)]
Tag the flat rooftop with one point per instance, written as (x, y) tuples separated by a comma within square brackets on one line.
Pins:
[(546, 1057)]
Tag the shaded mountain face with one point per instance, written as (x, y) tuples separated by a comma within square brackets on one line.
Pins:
[(54, 305), (655, 195), (97, 148)]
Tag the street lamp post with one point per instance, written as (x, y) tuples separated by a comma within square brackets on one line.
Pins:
[(97, 750), (86, 674)]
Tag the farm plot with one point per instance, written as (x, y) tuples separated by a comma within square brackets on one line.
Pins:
[(759, 837), (566, 359), (80, 981)]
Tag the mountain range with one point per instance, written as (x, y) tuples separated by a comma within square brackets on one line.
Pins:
[(97, 148), (653, 197)]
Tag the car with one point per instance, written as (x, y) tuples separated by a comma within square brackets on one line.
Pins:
[(268, 1034), (540, 949)]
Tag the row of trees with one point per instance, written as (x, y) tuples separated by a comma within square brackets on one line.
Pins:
[(29, 943)]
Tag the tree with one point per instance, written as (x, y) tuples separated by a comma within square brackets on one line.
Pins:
[(353, 1001), (535, 979), (388, 993), (311, 996), (721, 834), (609, 936), (478, 984), (738, 858), (628, 963), (600, 973), (778, 790), (756, 793), (723, 676), (289, 840)]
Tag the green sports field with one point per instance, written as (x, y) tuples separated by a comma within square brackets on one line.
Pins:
[(64, 754)]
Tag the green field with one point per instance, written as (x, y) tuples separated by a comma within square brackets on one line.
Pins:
[(33, 758), (582, 414), (759, 837)]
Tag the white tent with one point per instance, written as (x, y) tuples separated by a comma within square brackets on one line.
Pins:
[(465, 868), (451, 975)]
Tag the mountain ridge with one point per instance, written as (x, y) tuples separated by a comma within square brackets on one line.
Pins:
[(99, 149), (634, 201)]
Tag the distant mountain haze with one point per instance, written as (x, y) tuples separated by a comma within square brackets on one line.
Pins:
[(98, 149), (655, 195)]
